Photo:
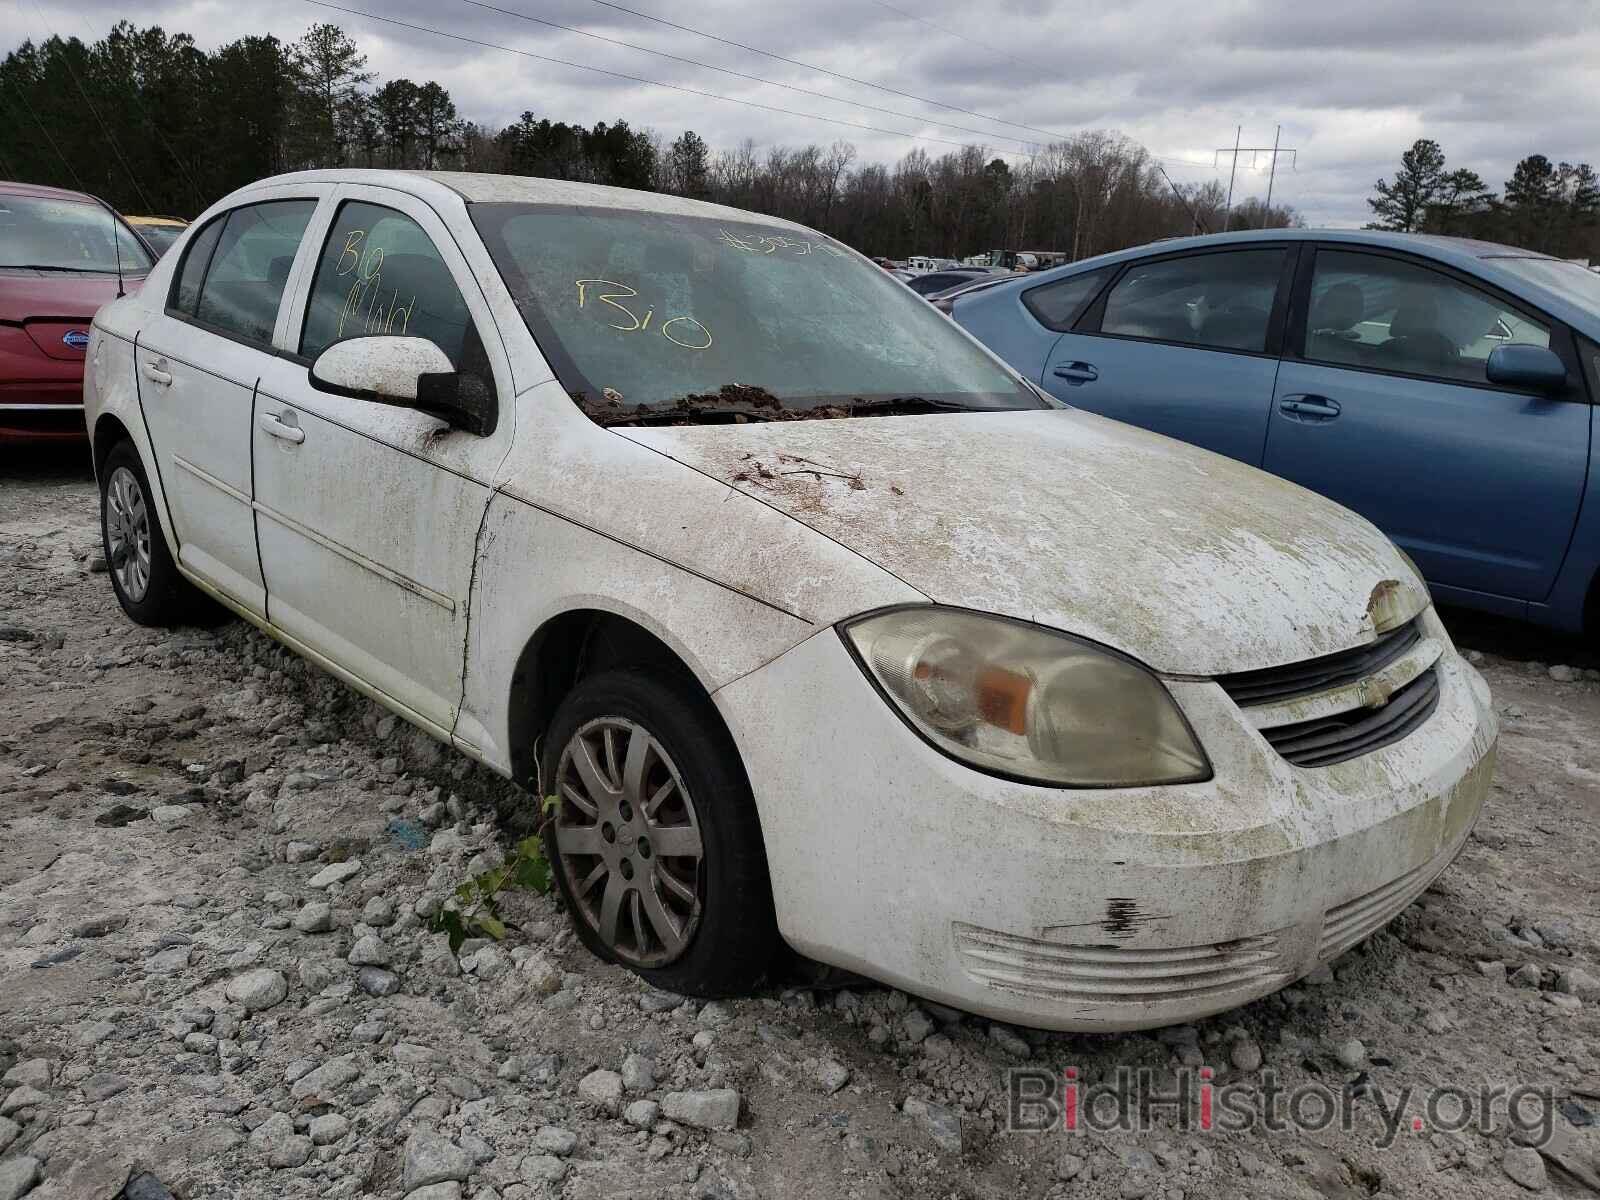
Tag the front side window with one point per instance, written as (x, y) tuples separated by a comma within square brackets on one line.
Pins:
[(656, 316), (250, 268), (76, 236), (1219, 301), (1370, 311), (380, 273)]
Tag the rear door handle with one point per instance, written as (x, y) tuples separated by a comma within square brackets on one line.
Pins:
[(270, 423), (1076, 372), (1309, 408), (155, 371)]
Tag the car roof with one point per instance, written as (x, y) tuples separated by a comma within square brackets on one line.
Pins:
[(1467, 254), (482, 188), (42, 192)]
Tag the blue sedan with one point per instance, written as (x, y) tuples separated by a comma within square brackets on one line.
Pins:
[(1443, 388)]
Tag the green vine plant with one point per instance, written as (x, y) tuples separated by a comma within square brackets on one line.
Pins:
[(475, 910)]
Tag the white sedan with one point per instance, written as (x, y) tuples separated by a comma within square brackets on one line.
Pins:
[(825, 626)]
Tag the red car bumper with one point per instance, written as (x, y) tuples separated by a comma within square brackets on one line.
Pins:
[(41, 396)]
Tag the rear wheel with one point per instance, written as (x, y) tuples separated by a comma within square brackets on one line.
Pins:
[(143, 575), (655, 842)]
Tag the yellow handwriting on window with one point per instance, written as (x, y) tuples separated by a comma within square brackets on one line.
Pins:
[(691, 335)]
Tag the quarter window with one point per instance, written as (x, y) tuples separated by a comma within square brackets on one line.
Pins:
[(1219, 301), (192, 273), (1057, 305), (249, 268), (380, 273), (1390, 315)]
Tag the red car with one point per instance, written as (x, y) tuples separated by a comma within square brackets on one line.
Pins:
[(62, 255)]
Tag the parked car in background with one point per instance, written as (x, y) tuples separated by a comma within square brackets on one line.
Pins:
[(159, 232), (939, 281), (1443, 388), (62, 255), (920, 263), (520, 459)]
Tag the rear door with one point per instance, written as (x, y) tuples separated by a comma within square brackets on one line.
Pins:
[(1382, 404), (198, 363), (368, 513), (1185, 344)]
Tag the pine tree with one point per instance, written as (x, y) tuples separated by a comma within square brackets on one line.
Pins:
[(1402, 206)]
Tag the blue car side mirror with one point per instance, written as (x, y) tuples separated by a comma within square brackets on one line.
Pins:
[(1530, 368)]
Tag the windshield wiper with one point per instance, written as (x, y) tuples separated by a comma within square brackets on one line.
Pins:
[(906, 404), (688, 416), (54, 267)]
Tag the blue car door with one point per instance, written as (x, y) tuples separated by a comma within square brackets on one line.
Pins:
[(1382, 404), (1185, 344)]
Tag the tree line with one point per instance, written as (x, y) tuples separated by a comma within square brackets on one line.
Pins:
[(1553, 208), (152, 123)]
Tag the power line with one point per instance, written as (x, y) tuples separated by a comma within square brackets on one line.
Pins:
[(795, 62), (959, 36), (562, 62), (891, 112)]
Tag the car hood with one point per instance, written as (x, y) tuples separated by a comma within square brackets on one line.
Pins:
[(1193, 563), (26, 295)]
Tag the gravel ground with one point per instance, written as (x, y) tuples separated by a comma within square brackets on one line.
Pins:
[(216, 978)]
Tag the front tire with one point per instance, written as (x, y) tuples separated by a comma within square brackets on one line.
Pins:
[(143, 575), (655, 842)]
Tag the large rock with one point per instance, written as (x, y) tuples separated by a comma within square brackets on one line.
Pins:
[(369, 952), (938, 1122), (1525, 1168), (326, 1080), (714, 1108), (432, 1158), (334, 873), (603, 1089), (277, 1142), (258, 989), (17, 1175), (32, 1072)]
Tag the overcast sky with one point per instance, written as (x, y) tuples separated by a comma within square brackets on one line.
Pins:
[(1352, 83)]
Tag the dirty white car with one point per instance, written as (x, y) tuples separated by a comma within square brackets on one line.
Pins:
[(1017, 708)]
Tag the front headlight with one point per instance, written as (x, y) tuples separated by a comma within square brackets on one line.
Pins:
[(1019, 700)]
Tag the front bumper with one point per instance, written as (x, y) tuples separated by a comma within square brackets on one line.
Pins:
[(1092, 910)]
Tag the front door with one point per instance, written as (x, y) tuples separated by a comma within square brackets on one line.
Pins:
[(1185, 345), (222, 312), (368, 513), (1383, 405)]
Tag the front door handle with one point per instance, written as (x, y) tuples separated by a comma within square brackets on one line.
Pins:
[(270, 423), (1076, 373), (1309, 408), (155, 371)]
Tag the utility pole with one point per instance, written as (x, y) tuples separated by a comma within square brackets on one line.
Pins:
[(1238, 132), (1275, 150), (1271, 175)]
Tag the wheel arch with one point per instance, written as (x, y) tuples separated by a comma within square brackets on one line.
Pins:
[(566, 648), (108, 431)]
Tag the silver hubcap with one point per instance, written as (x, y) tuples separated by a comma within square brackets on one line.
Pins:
[(128, 534), (629, 841)]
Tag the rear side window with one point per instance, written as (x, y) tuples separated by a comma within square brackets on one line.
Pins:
[(1219, 301), (192, 273), (249, 268), (1370, 311), (380, 273), (1057, 305)]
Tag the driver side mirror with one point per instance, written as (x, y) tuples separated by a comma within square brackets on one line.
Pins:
[(407, 372), (1526, 368)]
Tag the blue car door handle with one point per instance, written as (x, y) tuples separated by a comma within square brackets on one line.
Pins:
[(1077, 372), (1309, 408)]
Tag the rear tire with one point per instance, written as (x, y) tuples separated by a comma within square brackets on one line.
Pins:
[(655, 844), (143, 575)]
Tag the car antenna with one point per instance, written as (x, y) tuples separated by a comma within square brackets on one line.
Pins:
[(116, 246)]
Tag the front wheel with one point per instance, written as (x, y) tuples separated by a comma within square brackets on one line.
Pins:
[(655, 842)]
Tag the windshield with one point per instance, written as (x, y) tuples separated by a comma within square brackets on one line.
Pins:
[(161, 237), (66, 235), (652, 317), (1568, 280)]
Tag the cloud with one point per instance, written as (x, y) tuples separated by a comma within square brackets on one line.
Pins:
[(1352, 84)]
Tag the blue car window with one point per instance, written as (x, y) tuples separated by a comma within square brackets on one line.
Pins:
[(1057, 305), (1219, 301), (1389, 315)]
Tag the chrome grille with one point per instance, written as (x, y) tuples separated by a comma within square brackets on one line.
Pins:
[(1274, 684), (1107, 974), (1326, 740)]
